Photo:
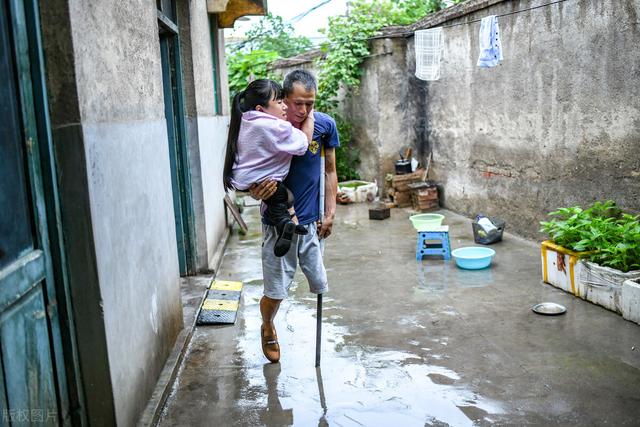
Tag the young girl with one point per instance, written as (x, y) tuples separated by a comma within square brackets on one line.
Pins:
[(260, 145)]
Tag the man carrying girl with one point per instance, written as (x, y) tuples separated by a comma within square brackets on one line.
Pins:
[(304, 182)]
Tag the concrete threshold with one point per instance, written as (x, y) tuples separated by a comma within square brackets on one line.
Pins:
[(192, 289)]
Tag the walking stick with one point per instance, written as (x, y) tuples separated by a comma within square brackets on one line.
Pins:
[(319, 296)]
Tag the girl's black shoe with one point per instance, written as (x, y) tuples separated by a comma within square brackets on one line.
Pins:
[(285, 232)]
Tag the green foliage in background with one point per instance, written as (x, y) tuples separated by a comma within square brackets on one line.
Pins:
[(245, 65), (347, 156), (610, 237), (272, 34), (270, 39)]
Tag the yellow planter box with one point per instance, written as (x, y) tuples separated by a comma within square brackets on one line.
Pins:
[(560, 268)]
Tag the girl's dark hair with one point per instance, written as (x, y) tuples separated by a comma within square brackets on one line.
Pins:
[(258, 92)]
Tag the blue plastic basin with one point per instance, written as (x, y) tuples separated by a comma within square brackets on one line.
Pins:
[(473, 257)]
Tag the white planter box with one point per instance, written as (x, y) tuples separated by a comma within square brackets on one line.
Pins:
[(561, 268), (603, 285), (630, 300)]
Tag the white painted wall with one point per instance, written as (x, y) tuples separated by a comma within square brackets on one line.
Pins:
[(135, 244), (213, 140)]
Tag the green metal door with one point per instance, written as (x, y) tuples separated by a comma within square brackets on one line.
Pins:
[(32, 381)]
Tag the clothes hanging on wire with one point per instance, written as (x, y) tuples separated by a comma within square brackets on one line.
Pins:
[(490, 45), (429, 45)]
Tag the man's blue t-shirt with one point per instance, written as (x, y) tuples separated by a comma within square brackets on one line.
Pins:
[(304, 174)]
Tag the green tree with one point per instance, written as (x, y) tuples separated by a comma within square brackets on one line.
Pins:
[(348, 40), (244, 67), (270, 39), (272, 34)]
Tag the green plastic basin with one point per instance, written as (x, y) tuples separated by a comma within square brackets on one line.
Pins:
[(426, 222)]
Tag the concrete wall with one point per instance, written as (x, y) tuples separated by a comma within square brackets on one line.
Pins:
[(556, 124), (110, 135), (91, 397), (119, 84), (380, 111)]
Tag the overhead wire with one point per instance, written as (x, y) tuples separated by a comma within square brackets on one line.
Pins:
[(300, 16), (506, 14), (303, 14)]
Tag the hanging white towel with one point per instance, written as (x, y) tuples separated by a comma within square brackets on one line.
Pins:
[(429, 45), (490, 45)]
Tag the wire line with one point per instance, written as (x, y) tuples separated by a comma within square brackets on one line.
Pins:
[(303, 14), (504, 14)]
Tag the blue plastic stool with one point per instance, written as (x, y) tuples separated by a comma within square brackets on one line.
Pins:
[(443, 247)]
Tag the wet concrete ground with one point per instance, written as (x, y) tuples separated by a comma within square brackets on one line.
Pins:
[(409, 343)]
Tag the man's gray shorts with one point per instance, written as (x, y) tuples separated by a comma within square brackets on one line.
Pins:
[(278, 272)]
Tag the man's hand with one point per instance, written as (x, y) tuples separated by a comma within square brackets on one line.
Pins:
[(324, 227), (331, 189), (263, 190)]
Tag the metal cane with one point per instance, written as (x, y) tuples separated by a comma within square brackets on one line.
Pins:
[(319, 296)]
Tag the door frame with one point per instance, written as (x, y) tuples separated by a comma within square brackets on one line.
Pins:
[(178, 141)]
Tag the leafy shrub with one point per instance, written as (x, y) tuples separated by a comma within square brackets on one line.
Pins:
[(609, 237), (243, 66), (270, 39), (347, 156)]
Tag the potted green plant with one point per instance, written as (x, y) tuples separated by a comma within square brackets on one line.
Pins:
[(560, 266), (607, 243)]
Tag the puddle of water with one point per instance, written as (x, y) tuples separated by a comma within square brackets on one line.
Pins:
[(356, 385)]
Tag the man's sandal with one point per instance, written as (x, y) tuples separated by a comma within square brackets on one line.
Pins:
[(270, 346)]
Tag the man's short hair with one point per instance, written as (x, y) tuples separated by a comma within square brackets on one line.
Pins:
[(300, 76)]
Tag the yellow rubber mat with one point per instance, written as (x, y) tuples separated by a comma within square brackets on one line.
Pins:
[(226, 285), (220, 304)]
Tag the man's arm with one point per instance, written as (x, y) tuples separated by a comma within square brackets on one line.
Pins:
[(330, 192)]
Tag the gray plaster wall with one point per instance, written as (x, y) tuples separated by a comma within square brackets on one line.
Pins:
[(85, 316), (380, 109), (556, 124), (202, 58), (119, 87)]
